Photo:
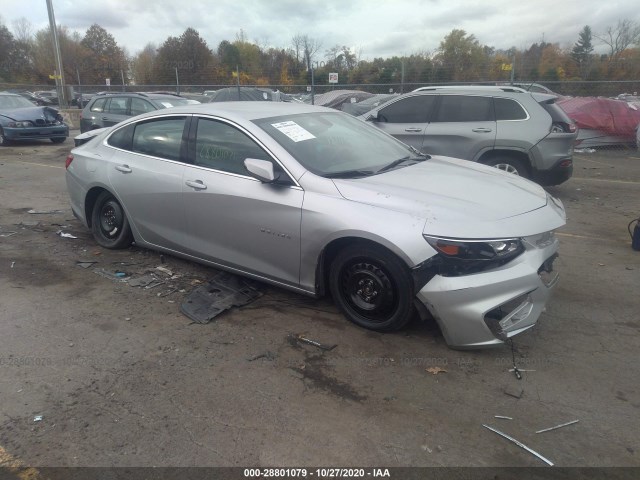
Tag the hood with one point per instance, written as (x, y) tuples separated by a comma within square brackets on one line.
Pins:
[(459, 199), (31, 113)]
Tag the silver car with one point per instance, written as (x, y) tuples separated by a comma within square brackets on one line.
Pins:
[(318, 202), (505, 127)]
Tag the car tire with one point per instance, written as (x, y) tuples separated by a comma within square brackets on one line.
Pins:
[(510, 165), (109, 223), (372, 287), (58, 140), (4, 141)]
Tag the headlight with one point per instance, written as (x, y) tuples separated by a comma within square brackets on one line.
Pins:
[(463, 257), (20, 124)]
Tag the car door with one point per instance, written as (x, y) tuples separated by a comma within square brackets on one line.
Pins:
[(463, 126), (115, 111), (146, 175), (407, 118), (232, 218)]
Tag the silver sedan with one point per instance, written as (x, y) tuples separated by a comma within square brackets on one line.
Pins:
[(318, 202)]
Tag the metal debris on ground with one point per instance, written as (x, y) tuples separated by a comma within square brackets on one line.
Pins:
[(502, 417), (12, 264), (7, 234), (515, 392), (38, 418), (165, 270), (266, 355), (65, 235), (85, 264), (558, 426), (116, 276), (222, 292), (520, 370), (142, 281), (327, 347), (435, 370), (520, 444), (43, 212)]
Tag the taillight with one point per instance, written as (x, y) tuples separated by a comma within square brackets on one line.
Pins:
[(562, 127), (68, 161)]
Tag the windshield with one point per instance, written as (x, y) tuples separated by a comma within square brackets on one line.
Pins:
[(330, 144), (14, 101)]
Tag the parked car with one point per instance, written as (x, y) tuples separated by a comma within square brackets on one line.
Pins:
[(50, 95), (506, 127), (22, 120), (33, 98), (106, 109), (316, 201)]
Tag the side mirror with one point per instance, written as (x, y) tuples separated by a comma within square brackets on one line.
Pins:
[(373, 116), (261, 169)]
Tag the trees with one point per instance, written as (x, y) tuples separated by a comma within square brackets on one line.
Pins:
[(143, 64), (189, 55), (582, 52), (625, 34), (460, 57), (104, 58)]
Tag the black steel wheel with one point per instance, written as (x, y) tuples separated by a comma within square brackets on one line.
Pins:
[(372, 287), (109, 223)]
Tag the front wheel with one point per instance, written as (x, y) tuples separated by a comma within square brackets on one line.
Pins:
[(4, 141), (510, 165), (109, 223), (372, 287)]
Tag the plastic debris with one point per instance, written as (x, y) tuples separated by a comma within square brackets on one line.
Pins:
[(502, 417), (521, 445), (316, 344), (38, 418), (117, 276), (7, 234), (558, 426), (12, 264), (220, 293), (142, 281), (165, 270), (65, 235), (435, 370), (85, 264)]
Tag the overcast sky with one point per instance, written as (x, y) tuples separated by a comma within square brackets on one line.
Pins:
[(374, 28)]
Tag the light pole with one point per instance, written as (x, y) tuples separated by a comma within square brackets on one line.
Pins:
[(59, 74)]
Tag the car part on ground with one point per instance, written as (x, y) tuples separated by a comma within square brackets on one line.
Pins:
[(20, 120), (317, 201), (508, 127)]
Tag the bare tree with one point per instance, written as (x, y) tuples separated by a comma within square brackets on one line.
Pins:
[(22, 30), (620, 37), (310, 47), (297, 44)]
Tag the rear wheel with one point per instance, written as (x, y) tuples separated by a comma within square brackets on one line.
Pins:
[(372, 287), (109, 223), (510, 165)]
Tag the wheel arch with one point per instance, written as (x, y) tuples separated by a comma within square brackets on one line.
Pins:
[(523, 157), (331, 249)]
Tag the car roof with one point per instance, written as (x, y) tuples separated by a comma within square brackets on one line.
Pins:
[(244, 110), (472, 88)]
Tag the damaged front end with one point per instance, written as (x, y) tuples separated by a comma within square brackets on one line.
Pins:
[(481, 292)]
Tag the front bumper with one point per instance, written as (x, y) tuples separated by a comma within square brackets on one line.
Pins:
[(35, 133), (487, 308)]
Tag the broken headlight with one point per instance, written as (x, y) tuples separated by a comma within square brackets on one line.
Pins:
[(24, 124), (463, 257)]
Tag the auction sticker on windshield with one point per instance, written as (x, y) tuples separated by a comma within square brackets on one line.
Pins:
[(294, 131)]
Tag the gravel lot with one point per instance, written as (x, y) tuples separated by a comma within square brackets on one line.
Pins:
[(122, 378)]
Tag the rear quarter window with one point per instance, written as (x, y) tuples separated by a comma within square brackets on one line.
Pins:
[(98, 105), (507, 109)]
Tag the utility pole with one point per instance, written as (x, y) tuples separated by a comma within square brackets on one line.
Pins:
[(59, 74), (177, 83), (238, 81)]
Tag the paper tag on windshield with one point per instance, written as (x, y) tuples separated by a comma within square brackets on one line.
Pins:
[(294, 131), (166, 104)]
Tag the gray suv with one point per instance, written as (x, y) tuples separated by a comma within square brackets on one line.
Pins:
[(509, 128), (106, 109)]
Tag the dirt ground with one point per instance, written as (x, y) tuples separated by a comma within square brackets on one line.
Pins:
[(121, 378)]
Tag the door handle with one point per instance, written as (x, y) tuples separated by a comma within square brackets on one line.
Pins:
[(197, 184), (481, 130), (413, 129), (123, 168)]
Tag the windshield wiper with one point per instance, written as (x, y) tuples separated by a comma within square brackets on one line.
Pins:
[(349, 174), (422, 157)]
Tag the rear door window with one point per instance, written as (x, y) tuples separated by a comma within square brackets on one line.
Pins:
[(159, 137), (464, 108), (139, 106), (99, 105), (118, 105)]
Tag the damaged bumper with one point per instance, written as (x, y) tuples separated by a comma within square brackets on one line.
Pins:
[(487, 308)]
